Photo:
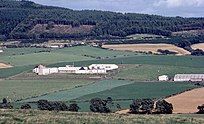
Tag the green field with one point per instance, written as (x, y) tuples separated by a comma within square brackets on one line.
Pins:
[(34, 116), (21, 89), (124, 95), (70, 94), (23, 56), (151, 72)]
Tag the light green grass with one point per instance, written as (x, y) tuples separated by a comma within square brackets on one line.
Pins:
[(21, 89), (81, 91), (151, 72), (34, 116)]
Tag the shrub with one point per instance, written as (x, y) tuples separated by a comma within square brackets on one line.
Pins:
[(50, 106), (201, 109), (142, 106), (74, 107), (26, 106), (99, 105), (163, 107)]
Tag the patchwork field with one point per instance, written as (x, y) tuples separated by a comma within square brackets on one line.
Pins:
[(151, 72), (124, 95), (21, 89), (198, 46), (147, 48), (34, 116), (187, 102)]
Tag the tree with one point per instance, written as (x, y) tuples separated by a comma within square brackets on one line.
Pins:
[(74, 107), (26, 106), (163, 107), (99, 105), (50, 106), (142, 106), (201, 109)]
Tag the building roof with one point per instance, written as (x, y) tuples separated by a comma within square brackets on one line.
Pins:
[(189, 76)]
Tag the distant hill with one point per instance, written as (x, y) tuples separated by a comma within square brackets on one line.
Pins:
[(26, 19)]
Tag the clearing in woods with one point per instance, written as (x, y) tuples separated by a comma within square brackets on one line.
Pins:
[(147, 48), (198, 46), (3, 65), (187, 102)]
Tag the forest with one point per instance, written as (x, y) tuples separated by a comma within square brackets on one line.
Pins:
[(18, 18)]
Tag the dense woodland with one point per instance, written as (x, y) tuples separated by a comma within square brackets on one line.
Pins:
[(17, 18)]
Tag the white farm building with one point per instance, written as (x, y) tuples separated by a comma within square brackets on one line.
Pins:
[(189, 77), (92, 69), (163, 78), (1, 51)]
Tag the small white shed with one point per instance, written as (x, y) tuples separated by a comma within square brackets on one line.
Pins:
[(163, 78), (1, 51)]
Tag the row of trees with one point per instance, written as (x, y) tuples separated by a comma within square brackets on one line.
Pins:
[(138, 106)]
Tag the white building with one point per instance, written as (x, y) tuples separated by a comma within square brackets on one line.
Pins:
[(163, 78), (1, 51), (107, 67), (189, 77), (99, 69)]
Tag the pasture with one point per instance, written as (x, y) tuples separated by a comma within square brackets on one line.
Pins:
[(124, 94), (147, 48), (151, 72), (35, 116), (21, 89)]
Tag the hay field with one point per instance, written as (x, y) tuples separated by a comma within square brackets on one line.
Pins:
[(147, 48), (3, 65), (187, 102), (198, 46)]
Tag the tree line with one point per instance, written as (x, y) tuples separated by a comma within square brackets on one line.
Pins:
[(19, 17)]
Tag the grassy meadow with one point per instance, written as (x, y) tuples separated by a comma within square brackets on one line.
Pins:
[(34, 116)]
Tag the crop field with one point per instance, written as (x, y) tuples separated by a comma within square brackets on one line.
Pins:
[(147, 48), (34, 116), (138, 90), (21, 89), (198, 46), (34, 57), (151, 72), (191, 99), (71, 94)]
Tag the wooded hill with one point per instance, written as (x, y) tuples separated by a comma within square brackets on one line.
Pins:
[(28, 20)]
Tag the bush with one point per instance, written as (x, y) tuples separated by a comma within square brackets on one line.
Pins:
[(99, 105), (163, 107), (50, 106), (26, 106), (5, 104), (166, 52), (201, 109), (142, 106), (74, 107)]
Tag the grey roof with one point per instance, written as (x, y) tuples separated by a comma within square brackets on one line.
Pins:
[(189, 76)]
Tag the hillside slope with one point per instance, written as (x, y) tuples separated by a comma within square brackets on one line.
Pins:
[(19, 19)]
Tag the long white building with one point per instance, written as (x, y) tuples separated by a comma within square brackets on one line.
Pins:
[(189, 77), (92, 69)]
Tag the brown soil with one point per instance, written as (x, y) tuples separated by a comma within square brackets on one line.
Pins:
[(3, 65), (187, 102), (126, 111), (147, 47), (198, 46)]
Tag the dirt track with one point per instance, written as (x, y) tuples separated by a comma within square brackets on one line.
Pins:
[(198, 46), (3, 65), (187, 102), (147, 47)]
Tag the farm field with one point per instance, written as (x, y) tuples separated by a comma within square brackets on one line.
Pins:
[(191, 99), (21, 89), (151, 72), (147, 48), (34, 116), (34, 56), (74, 93), (124, 95), (198, 46)]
